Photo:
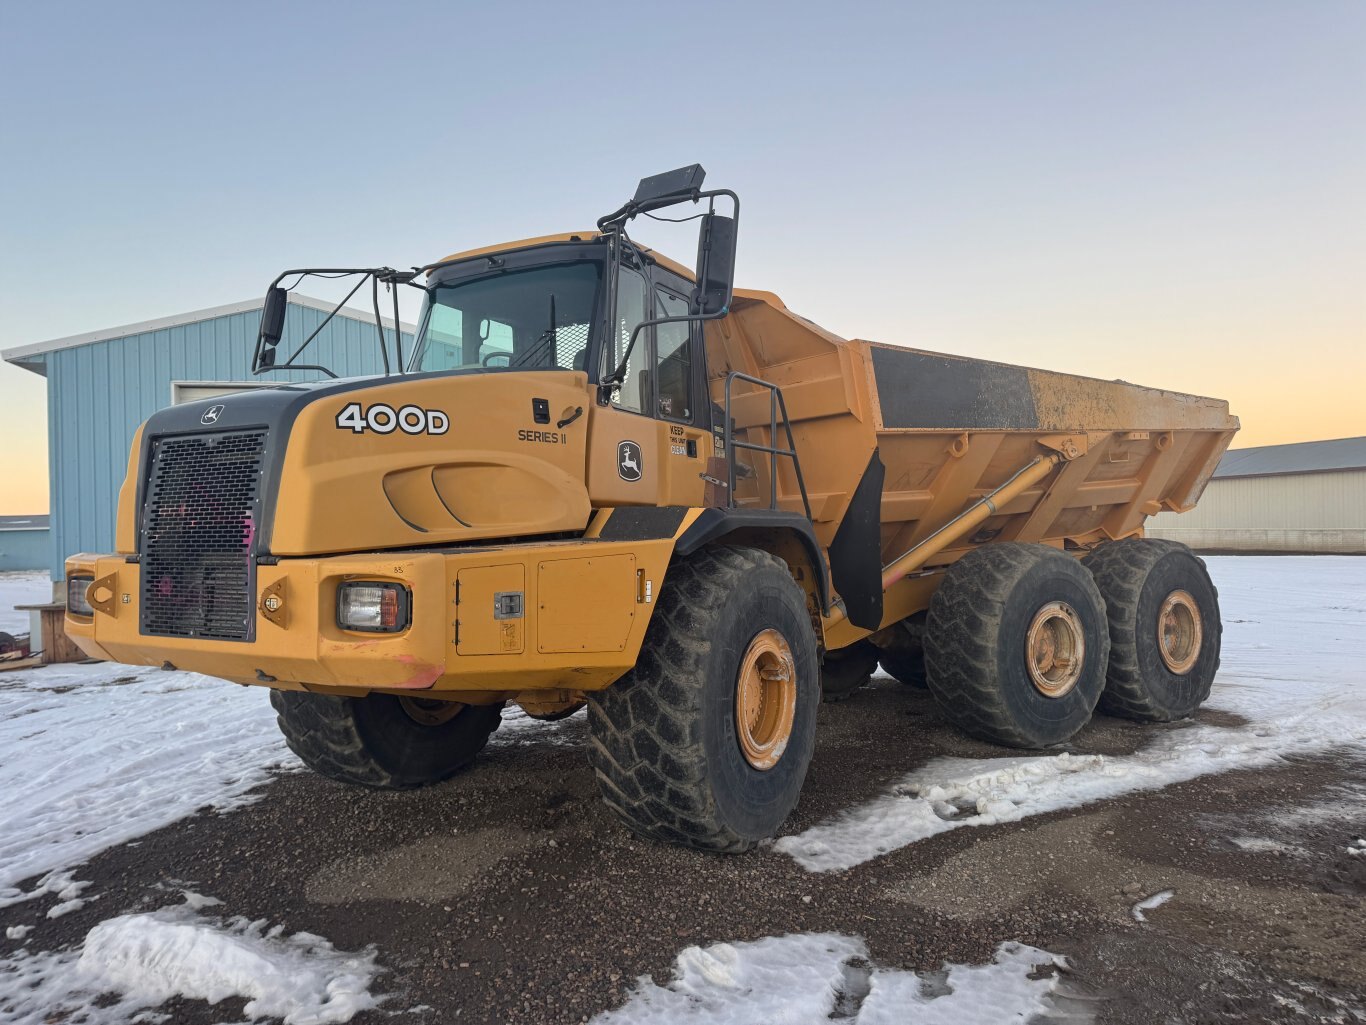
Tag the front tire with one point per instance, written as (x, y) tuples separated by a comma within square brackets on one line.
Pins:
[(706, 741), (1165, 631), (380, 740), (1016, 645)]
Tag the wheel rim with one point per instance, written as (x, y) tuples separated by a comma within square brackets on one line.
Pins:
[(765, 699), (1179, 632), (429, 711), (1055, 649)]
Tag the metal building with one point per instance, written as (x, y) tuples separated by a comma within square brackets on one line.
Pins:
[(101, 385), (1309, 497), (23, 543)]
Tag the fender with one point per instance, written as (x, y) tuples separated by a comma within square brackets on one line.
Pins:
[(715, 524)]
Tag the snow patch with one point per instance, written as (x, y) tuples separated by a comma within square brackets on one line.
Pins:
[(146, 959), (1357, 847), (1290, 667), (813, 977), (518, 728), (1265, 845), (17, 932), (96, 755), (197, 901), (1148, 904), (62, 884), (65, 908), (21, 588)]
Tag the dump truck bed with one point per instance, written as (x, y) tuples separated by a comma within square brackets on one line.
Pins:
[(948, 430)]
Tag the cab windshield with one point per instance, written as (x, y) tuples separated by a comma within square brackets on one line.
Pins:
[(535, 319)]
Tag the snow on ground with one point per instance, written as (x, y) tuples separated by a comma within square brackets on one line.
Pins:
[(1293, 633), (1278, 830), (1150, 904), (518, 728), (813, 977), (22, 588), (146, 959), (96, 755)]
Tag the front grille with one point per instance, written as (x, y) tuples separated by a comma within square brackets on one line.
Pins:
[(201, 511)]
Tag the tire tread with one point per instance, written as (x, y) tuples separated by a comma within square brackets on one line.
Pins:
[(645, 740)]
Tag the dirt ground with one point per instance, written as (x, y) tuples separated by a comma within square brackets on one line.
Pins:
[(510, 894)]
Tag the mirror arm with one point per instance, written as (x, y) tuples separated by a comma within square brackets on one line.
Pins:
[(386, 274), (633, 209), (398, 329), (289, 363), (617, 376), (379, 322), (304, 366)]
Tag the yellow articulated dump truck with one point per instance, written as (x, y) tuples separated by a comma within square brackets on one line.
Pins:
[(598, 477)]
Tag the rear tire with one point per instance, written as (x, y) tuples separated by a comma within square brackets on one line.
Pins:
[(903, 652), (380, 740), (1156, 674), (847, 670), (668, 743), (1016, 645)]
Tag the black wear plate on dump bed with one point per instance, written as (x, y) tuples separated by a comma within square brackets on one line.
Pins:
[(930, 392)]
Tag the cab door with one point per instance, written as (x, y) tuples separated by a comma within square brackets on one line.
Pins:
[(649, 444), (681, 402)]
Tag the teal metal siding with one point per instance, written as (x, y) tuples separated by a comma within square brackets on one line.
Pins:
[(24, 549), (100, 392)]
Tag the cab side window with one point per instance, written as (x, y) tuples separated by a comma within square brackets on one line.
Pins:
[(632, 299), (673, 359)]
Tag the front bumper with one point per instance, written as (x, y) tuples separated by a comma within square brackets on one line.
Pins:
[(584, 607)]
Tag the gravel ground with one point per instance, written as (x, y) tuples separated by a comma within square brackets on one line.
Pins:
[(510, 894)]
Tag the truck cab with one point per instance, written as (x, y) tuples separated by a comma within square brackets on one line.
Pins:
[(572, 303)]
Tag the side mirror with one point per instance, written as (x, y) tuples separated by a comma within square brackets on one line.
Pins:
[(715, 265), (272, 325)]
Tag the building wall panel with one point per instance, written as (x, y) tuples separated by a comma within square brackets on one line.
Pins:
[(1305, 512), (24, 549)]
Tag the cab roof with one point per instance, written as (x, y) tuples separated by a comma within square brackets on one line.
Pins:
[(571, 236), (744, 294)]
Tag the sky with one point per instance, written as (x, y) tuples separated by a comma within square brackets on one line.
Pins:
[(1172, 193)]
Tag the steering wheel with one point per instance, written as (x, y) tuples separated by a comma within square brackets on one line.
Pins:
[(506, 357)]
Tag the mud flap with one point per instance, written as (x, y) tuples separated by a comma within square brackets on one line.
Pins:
[(856, 551)]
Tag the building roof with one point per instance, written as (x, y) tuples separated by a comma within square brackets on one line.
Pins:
[(1304, 457), (26, 352), (23, 522)]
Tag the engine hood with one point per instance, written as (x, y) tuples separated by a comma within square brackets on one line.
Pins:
[(365, 464)]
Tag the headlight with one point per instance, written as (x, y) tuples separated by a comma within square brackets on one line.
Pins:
[(373, 607), (76, 602)]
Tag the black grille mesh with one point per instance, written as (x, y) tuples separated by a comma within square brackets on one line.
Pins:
[(200, 515)]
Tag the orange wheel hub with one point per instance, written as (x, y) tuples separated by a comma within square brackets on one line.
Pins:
[(429, 711), (1179, 632), (765, 699), (1055, 648)]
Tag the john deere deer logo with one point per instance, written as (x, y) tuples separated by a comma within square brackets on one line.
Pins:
[(629, 461), (211, 415)]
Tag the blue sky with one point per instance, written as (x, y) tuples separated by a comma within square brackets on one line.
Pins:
[(1165, 192)]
